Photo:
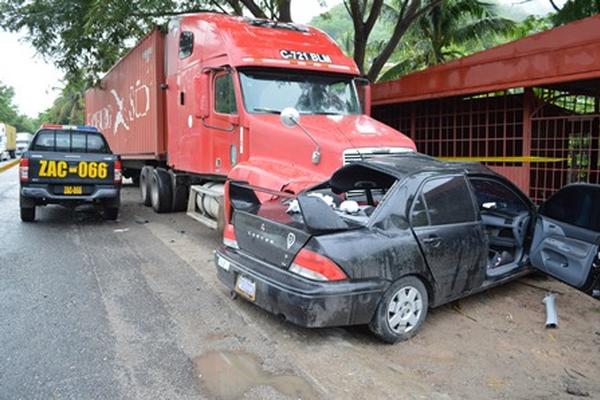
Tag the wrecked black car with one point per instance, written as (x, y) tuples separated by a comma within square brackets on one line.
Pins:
[(384, 240)]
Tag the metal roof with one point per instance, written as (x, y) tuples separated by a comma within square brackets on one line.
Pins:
[(567, 53)]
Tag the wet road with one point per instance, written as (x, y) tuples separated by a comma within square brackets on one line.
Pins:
[(132, 309)]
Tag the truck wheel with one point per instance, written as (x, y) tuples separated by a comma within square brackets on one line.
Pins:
[(27, 214), (180, 194), (160, 191), (401, 311), (145, 181), (111, 213)]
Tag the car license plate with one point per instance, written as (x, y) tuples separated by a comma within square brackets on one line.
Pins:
[(73, 190), (246, 287)]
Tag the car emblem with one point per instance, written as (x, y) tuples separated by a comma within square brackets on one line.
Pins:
[(262, 227), (291, 239)]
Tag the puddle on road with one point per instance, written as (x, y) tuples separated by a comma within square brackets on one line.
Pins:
[(228, 375)]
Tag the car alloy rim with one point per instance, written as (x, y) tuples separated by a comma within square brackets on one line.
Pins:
[(405, 309)]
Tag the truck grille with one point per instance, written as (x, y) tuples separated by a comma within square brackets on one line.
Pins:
[(353, 155)]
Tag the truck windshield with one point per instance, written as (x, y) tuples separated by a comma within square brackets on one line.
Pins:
[(70, 141), (310, 93)]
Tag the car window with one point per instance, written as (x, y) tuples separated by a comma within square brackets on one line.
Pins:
[(448, 201), (492, 191), (225, 95), (186, 44), (70, 141), (418, 216), (575, 205)]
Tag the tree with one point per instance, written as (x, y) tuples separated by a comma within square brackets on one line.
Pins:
[(69, 106), (453, 29), (87, 37), (365, 14), (573, 10), (9, 113)]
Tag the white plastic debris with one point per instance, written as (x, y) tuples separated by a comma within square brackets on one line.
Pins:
[(551, 314), (294, 208), (349, 207)]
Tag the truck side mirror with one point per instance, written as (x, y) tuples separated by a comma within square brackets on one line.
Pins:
[(201, 95), (363, 86)]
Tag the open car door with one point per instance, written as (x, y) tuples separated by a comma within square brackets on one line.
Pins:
[(567, 235)]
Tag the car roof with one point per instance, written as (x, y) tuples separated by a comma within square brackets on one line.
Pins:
[(411, 163)]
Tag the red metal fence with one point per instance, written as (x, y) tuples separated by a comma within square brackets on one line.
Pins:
[(540, 138)]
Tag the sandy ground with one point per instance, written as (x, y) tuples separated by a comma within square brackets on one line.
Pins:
[(162, 326)]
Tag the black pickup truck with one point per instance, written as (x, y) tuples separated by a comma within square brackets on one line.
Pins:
[(69, 165)]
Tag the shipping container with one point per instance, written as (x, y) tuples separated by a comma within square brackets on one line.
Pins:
[(127, 105)]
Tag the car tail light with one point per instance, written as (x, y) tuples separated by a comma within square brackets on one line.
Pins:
[(118, 172), (315, 266), (229, 238), (24, 169)]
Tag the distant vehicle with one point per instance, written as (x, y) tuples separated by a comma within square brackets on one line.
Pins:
[(8, 141), (69, 165), (196, 103), (23, 140), (422, 233)]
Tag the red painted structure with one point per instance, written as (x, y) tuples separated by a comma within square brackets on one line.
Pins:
[(529, 109), (158, 105)]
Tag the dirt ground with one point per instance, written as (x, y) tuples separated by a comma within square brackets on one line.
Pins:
[(491, 345), (133, 309)]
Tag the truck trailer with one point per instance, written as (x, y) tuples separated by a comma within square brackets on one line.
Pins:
[(202, 100), (8, 141)]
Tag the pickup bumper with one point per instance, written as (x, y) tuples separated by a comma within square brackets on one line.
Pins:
[(42, 193), (302, 301)]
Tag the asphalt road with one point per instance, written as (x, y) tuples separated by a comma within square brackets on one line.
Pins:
[(132, 309)]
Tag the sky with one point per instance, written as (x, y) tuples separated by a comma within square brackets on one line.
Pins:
[(36, 81)]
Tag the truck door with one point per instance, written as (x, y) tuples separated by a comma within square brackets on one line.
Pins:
[(223, 122), (567, 235)]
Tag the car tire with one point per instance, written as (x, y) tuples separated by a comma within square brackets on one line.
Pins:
[(27, 214), (145, 181), (401, 311), (160, 191), (110, 213)]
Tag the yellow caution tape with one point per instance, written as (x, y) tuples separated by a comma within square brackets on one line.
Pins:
[(523, 159)]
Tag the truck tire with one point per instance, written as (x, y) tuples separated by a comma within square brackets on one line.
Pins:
[(181, 193), (160, 191), (401, 310), (145, 182), (27, 214), (110, 213)]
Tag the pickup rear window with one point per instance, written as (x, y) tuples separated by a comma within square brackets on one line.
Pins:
[(69, 141)]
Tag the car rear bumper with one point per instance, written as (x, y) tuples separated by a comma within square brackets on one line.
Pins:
[(301, 301), (42, 193)]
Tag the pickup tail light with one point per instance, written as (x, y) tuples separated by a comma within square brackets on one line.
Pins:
[(118, 172), (314, 266), (24, 170), (229, 238)]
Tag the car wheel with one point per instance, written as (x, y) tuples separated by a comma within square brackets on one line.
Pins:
[(145, 181), (160, 191), (401, 311), (27, 214), (110, 213)]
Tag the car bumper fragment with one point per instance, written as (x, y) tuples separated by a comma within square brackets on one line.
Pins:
[(301, 301)]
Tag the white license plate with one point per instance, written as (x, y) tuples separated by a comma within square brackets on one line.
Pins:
[(246, 287)]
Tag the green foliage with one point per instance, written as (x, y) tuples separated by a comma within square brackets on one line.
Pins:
[(69, 107), (574, 10), (9, 113)]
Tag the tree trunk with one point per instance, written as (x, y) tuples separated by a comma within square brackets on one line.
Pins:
[(285, 12)]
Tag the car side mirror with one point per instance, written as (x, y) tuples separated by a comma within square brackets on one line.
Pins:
[(289, 117), (201, 95)]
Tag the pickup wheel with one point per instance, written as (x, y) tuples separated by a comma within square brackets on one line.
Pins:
[(401, 311), (111, 213), (145, 182), (27, 214), (161, 194)]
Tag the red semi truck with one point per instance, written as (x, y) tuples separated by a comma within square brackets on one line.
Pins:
[(201, 102)]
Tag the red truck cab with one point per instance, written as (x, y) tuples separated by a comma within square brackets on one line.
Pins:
[(216, 102)]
